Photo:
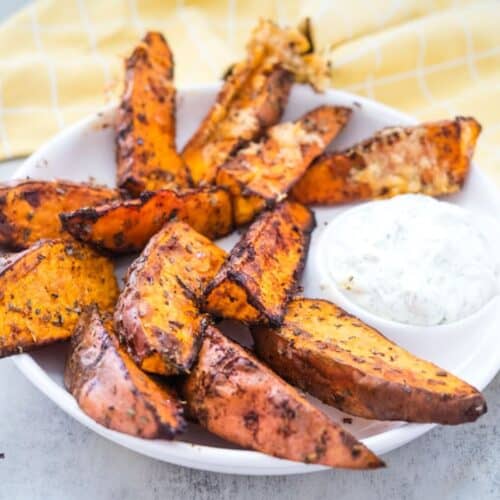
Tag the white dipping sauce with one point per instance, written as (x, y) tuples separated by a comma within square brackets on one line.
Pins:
[(413, 259)]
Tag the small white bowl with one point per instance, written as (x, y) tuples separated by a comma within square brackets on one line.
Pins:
[(455, 338)]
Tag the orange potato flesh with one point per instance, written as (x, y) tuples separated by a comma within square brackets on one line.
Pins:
[(157, 315), (127, 226), (236, 397), (261, 274), (347, 364), (262, 174), (110, 388), (229, 299), (43, 290), (432, 158), (29, 210), (145, 124)]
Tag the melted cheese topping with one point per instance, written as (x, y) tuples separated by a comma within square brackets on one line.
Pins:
[(291, 137), (392, 167)]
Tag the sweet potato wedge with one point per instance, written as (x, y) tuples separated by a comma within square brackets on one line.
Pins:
[(432, 158), (157, 315), (347, 364), (126, 226), (261, 174), (110, 388), (29, 210), (145, 124), (239, 399), (261, 274), (252, 98), (43, 290)]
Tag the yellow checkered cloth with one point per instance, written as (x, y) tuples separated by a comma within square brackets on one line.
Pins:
[(59, 59)]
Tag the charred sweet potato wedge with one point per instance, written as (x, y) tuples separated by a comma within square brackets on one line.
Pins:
[(239, 399), (126, 226), (261, 174), (432, 158), (347, 364), (29, 210), (252, 98), (261, 274), (145, 124), (44, 289), (158, 315), (112, 390)]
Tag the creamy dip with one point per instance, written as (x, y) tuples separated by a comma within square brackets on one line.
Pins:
[(413, 259)]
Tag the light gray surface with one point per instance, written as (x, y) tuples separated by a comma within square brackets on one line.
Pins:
[(50, 456), (8, 7)]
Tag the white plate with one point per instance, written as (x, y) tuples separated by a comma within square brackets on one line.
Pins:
[(86, 150)]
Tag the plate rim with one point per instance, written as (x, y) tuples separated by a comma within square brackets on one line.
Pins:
[(246, 462)]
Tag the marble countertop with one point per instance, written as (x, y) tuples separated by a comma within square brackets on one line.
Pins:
[(44, 454)]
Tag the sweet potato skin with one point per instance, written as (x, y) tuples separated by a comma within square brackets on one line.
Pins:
[(110, 388), (261, 174), (251, 99), (126, 226), (145, 124), (29, 209), (43, 290), (157, 315), (237, 398), (353, 367), (262, 271), (432, 158)]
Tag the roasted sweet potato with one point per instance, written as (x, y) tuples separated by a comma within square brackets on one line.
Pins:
[(126, 226), (157, 315), (252, 97), (145, 124), (43, 290), (347, 364), (432, 158), (261, 174), (29, 209), (236, 397), (261, 274), (250, 100), (110, 388)]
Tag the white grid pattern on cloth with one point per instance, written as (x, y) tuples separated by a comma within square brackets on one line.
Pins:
[(41, 109), (192, 34), (420, 73), (389, 12), (137, 22), (89, 29), (54, 97), (428, 69), (4, 140), (231, 5), (365, 45), (471, 63)]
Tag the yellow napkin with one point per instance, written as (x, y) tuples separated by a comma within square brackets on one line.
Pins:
[(59, 59)]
